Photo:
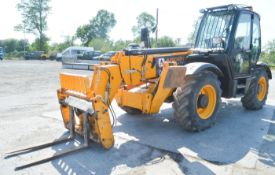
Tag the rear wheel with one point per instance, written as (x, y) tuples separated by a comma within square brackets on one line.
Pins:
[(256, 95), (197, 103)]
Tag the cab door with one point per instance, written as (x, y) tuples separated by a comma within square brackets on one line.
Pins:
[(242, 46)]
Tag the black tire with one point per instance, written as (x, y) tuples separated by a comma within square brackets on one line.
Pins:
[(250, 100), (186, 102), (131, 111), (169, 99)]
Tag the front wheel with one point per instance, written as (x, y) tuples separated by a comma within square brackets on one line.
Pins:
[(197, 103), (256, 95)]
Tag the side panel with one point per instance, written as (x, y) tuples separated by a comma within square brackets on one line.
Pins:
[(136, 68), (147, 97), (162, 92), (132, 69), (138, 100)]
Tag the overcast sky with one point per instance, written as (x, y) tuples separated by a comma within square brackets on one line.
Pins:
[(175, 16)]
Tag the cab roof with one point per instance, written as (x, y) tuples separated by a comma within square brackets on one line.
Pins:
[(228, 7)]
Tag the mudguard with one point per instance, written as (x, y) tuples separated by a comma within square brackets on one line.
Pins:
[(197, 67), (266, 67), (176, 74)]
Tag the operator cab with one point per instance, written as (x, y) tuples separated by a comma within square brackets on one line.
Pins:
[(229, 37), (225, 26)]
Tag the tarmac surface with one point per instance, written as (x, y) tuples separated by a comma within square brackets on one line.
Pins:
[(242, 142)]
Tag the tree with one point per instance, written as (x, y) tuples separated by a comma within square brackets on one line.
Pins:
[(120, 45), (270, 46), (59, 47), (22, 45), (101, 44), (98, 27), (84, 34), (143, 20), (34, 19), (268, 55), (9, 45), (14, 45), (37, 45), (164, 41)]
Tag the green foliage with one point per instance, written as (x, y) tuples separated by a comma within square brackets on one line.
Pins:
[(143, 20), (34, 19), (15, 55), (166, 41), (40, 44), (98, 27), (84, 34), (14, 45), (103, 23), (137, 40), (14, 48), (268, 58), (120, 45), (104, 45), (270, 46), (268, 55), (59, 47)]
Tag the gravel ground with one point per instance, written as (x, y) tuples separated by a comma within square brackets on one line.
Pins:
[(242, 142)]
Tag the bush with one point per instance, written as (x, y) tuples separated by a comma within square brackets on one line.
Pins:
[(15, 55), (101, 44), (268, 58)]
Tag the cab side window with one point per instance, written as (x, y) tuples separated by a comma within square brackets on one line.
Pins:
[(242, 44), (242, 36), (256, 40)]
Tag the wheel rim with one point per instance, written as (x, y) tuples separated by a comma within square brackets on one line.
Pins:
[(262, 86), (206, 111)]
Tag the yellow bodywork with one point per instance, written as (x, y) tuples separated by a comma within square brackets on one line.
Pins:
[(132, 80)]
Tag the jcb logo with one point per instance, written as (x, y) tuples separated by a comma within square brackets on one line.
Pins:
[(161, 62)]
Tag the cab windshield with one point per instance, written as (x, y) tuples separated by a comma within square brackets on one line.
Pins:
[(215, 28)]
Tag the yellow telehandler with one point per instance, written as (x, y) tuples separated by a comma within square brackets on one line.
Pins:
[(222, 63)]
